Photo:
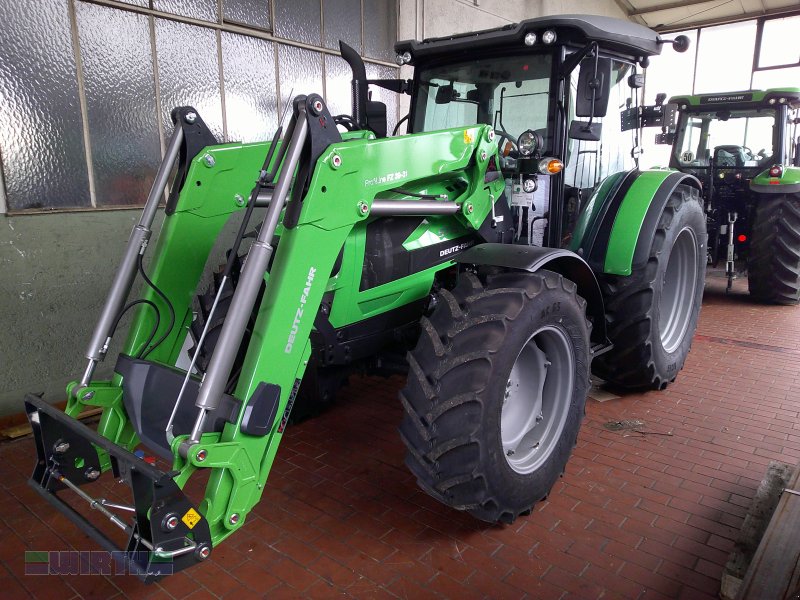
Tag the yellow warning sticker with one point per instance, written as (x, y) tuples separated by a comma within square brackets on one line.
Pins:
[(468, 137), (191, 518)]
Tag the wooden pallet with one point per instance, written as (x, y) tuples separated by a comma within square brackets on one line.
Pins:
[(774, 571), (16, 431)]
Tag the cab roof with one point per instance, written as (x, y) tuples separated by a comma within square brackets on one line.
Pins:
[(622, 37), (744, 98)]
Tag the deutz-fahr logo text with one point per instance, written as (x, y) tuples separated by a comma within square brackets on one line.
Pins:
[(726, 98), (299, 314), (456, 248)]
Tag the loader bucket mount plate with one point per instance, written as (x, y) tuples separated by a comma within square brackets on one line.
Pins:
[(166, 531)]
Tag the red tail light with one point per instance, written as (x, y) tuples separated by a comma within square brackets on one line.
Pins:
[(742, 237)]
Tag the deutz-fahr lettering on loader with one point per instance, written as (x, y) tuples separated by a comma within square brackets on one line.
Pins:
[(508, 244)]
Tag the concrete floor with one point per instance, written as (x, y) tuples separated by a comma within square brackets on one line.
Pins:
[(637, 515)]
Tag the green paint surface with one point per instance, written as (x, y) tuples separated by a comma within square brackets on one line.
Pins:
[(791, 176), (629, 220)]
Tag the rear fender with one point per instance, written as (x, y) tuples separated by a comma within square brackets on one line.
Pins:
[(624, 217), (535, 258), (787, 183)]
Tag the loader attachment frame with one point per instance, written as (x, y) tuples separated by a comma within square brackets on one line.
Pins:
[(168, 533)]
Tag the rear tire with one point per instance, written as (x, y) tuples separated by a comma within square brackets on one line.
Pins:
[(773, 266), (496, 392), (651, 315)]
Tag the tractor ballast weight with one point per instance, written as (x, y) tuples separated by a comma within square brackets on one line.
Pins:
[(383, 254)]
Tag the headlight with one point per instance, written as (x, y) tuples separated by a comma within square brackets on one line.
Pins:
[(529, 186), (530, 39), (528, 143), (549, 36)]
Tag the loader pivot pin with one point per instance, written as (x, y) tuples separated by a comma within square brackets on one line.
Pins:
[(201, 455), (170, 522), (233, 519)]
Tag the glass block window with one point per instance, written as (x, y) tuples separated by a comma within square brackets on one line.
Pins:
[(41, 127), (88, 85), (205, 10), (342, 21), (254, 13), (250, 87), (298, 20), (299, 72), (120, 103)]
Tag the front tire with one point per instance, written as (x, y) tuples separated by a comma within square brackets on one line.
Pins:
[(496, 392), (773, 269), (652, 314)]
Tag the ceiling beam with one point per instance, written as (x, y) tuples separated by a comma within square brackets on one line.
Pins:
[(787, 11), (669, 6)]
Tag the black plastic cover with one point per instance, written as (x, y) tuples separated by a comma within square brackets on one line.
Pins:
[(149, 391), (261, 410)]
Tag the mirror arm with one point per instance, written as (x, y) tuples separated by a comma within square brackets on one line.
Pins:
[(500, 119), (574, 59), (593, 85), (399, 86)]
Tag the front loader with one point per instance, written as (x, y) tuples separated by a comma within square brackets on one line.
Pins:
[(497, 252)]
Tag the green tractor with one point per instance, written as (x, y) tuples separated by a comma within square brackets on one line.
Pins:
[(508, 244), (743, 147)]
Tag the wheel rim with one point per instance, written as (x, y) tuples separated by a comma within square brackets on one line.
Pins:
[(537, 399), (677, 290)]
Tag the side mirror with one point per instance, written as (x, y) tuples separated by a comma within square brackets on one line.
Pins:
[(593, 88), (586, 131)]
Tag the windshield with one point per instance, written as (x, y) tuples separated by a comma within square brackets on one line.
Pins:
[(726, 138), (510, 93)]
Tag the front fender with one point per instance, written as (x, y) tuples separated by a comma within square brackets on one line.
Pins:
[(534, 258), (622, 216)]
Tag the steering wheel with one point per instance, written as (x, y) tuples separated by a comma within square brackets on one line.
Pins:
[(502, 135)]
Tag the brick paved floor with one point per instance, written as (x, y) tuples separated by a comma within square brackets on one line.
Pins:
[(635, 515)]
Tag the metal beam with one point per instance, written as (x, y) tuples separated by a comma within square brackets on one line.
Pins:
[(787, 11), (659, 7)]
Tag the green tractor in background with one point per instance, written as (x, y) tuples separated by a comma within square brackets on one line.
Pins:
[(501, 249), (743, 147)]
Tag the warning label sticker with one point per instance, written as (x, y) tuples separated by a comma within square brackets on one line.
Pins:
[(191, 518)]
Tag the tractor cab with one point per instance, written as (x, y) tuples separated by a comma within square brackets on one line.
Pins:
[(552, 89), (725, 140)]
